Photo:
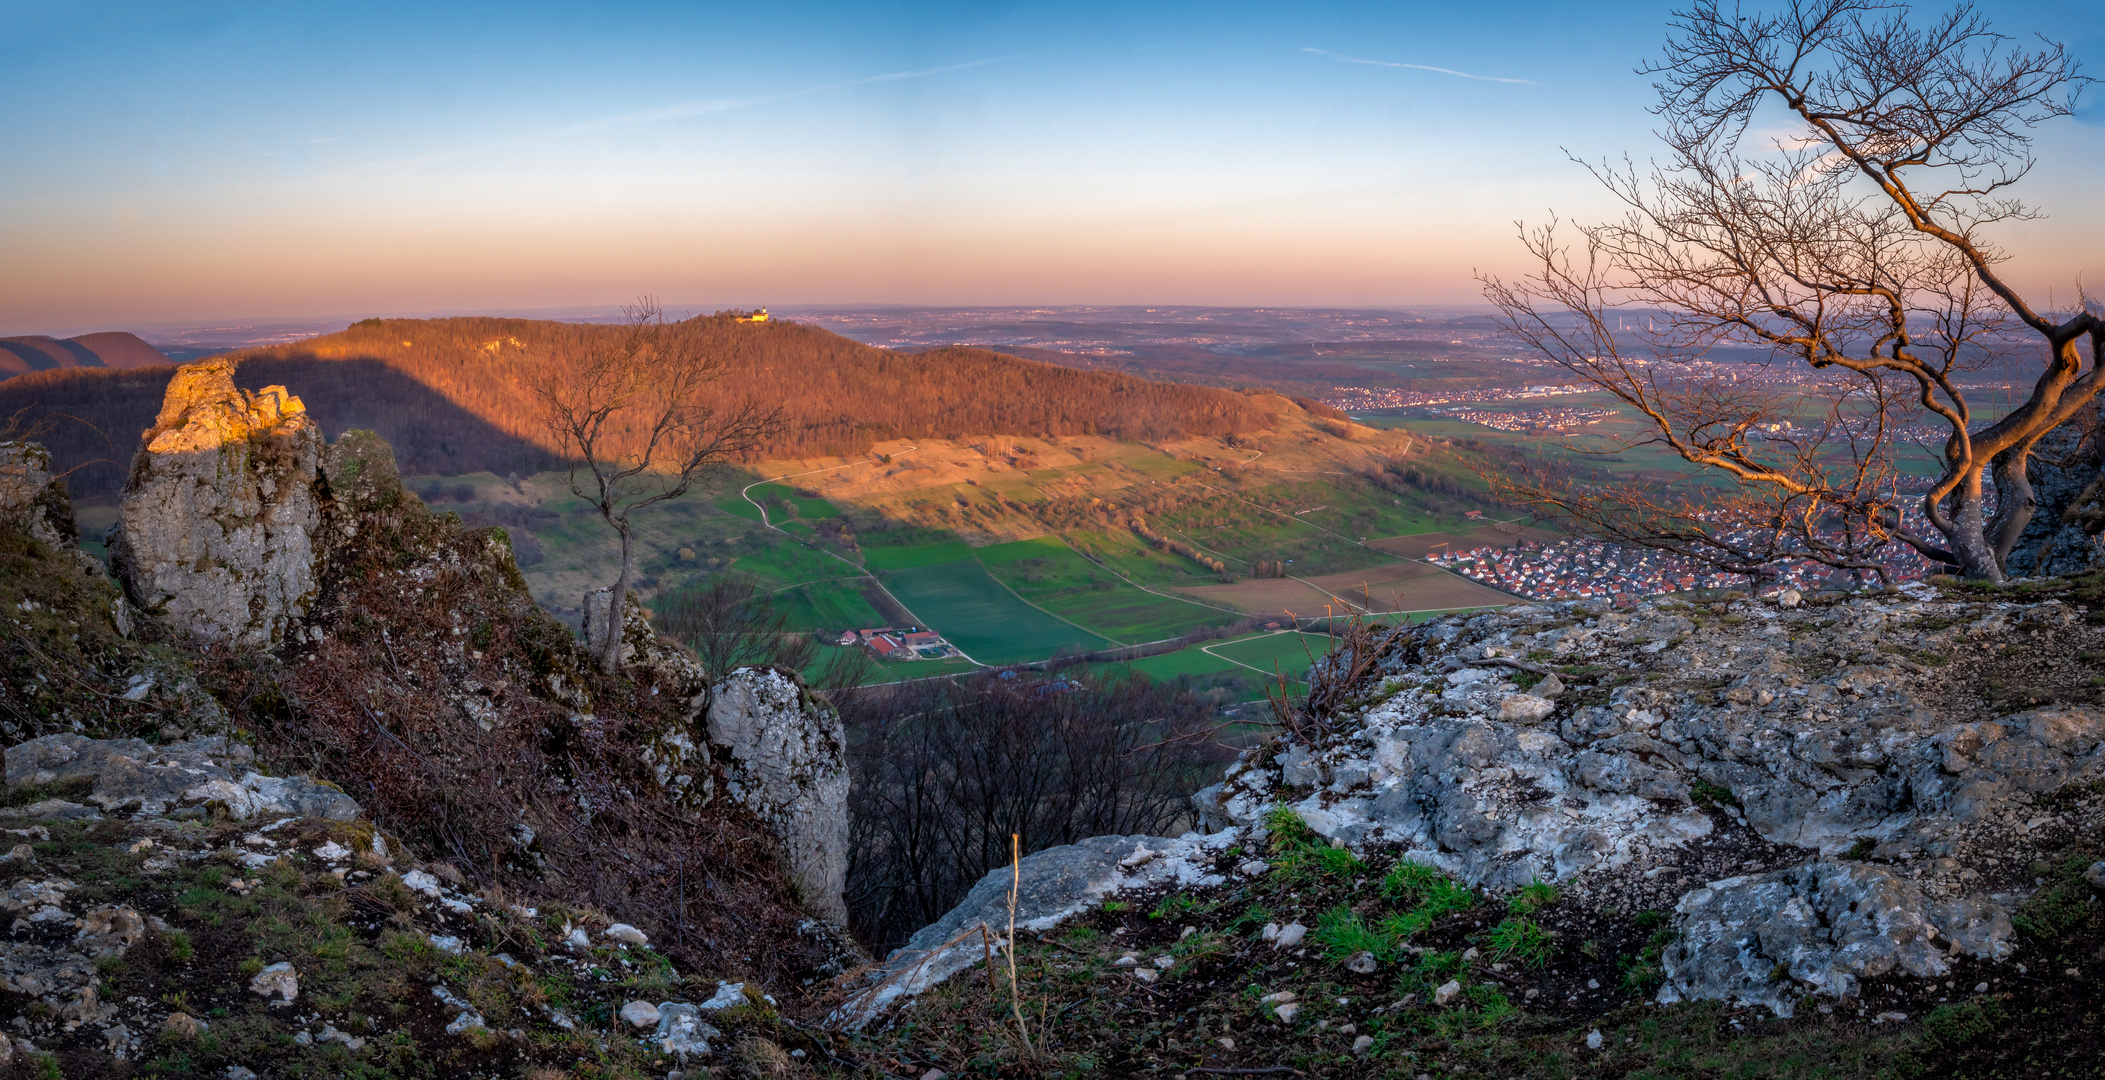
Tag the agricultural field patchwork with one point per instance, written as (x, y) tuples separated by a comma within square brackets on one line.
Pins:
[(1048, 573), (982, 618), (1015, 548)]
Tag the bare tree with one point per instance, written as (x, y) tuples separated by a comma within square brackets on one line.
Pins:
[(1856, 245), (631, 416)]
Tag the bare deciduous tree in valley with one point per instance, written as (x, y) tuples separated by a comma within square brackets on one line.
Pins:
[(631, 417), (947, 770), (1857, 244)]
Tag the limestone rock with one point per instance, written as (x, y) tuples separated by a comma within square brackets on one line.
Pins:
[(1711, 757), (466, 1018), (30, 500), (219, 519), (1525, 708), (785, 758), (109, 930), (682, 1031), (1057, 884), (132, 775), (1826, 925), (182, 1027), (278, 982), (362, 478), (678, 755), (640, 1014), (637, 637)]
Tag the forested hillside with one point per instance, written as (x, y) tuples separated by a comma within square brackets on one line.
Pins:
[(451, 394)]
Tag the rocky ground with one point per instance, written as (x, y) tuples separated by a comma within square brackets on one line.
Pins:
[(355, 806), (289, 946), (1853, 835)]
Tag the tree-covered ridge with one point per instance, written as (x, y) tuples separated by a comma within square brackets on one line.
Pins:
[(451, 394)]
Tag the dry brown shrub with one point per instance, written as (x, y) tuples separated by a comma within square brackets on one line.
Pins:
[(421, 615)]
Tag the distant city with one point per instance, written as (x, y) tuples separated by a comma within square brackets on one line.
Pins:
[(1368, 398)]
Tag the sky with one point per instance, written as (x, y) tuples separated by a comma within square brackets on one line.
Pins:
[(186, 161)]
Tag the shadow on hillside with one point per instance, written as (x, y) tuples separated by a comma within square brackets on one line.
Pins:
[(430, 433), (95, 417), (45, 353)]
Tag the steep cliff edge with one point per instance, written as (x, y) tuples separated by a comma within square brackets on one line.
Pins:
[(336, 740)]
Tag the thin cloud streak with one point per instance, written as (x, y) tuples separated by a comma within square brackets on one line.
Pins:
[(1342, 58), (684, 109), (679, 111)]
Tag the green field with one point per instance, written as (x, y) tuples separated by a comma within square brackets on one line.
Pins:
[(1284, 651), (782, 562), (1256, 650), (1051, 575), (964, 603), (829, 606), (928, 554), (772, 495), (1183, 662), (735, 505)]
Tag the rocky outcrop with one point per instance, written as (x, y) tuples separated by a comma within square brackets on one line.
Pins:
[(780, 753), (219, 520), (1749, 737), (1822, 926), (29, 499), (785, 757), (362, 479), (1819, 794), (337, 992), (1051, 886), (137, 777)]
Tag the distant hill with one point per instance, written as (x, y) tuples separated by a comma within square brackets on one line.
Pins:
[(110, 349), (451, 396)]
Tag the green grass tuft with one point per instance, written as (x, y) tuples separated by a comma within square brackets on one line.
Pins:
[(1532, 898), (1522, 940), (1342, 935)]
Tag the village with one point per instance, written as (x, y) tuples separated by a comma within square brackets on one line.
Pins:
[(1591, 569)]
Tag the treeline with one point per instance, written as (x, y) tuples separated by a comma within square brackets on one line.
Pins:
[(1139, 525), (945, 771), (451, 394), (1403, 478)]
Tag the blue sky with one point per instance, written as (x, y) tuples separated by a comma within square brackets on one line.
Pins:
[(198, 160)]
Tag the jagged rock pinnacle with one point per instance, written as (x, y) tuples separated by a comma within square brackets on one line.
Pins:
[(218, 522)]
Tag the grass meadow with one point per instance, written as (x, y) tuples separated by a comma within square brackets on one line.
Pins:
[(991, 624)]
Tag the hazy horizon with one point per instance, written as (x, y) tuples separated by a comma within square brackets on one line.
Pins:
[(236, 331), (238, 162)]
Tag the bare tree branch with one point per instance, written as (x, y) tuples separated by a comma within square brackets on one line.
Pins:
[(1852, 253), (629, 416)]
